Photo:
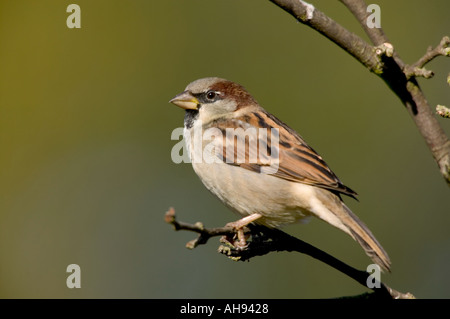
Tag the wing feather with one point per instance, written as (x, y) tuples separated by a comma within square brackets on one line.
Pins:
[(298, 162)]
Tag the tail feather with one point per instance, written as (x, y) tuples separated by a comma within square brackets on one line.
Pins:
[(361, 233), (339, 215)]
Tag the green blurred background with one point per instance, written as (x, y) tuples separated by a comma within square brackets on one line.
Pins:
[(85, 168)]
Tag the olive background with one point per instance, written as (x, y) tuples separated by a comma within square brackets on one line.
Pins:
[(85, 134)]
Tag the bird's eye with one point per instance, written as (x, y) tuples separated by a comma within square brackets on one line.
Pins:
[(211, 95)]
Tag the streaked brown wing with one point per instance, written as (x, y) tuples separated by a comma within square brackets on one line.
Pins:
[(297, 161)]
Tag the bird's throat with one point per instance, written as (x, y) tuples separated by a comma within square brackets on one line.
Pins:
[(189, 117)]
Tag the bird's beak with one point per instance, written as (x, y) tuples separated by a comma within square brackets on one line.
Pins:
[(186, 101)]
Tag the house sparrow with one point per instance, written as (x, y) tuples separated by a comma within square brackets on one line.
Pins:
[(299, 185)]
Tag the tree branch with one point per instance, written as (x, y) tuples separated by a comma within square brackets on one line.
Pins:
[(441, 49), (417, 69), (394, 72), (359, 9), (309, 15), (266, 240), (204, 234)]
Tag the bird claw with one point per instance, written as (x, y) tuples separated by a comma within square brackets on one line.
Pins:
[(238, 240), (239, 227)]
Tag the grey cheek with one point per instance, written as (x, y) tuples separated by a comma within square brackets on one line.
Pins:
[(228, 106)]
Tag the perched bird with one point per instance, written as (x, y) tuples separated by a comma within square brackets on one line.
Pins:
[(297, 184)]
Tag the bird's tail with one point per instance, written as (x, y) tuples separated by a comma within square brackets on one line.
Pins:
[(361, 233), (344, 219)]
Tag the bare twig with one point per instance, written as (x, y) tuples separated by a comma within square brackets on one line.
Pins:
[(309, 15), (266, 240), (359, 9), (204, 234), (417, 69), (441, 49)]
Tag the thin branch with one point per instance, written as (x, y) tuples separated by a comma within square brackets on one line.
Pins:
[(359, 9), (417, 69), (266, 240), (309, 15), (204, 234), (441, 49)]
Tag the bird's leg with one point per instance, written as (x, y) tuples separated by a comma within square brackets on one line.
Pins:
[(239, 227)]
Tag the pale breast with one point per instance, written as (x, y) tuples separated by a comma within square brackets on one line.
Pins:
[(247, 192)]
